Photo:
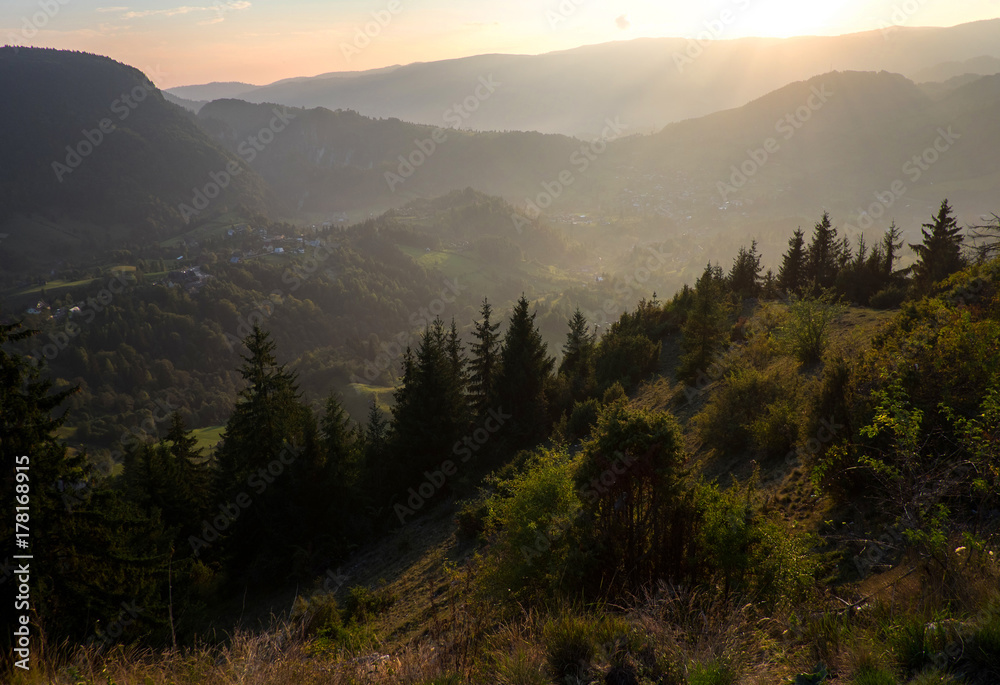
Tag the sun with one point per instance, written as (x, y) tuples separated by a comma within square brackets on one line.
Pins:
[(785, 18)]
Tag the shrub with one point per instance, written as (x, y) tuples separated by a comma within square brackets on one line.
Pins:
[(631, 478), (582, 419), (530, 515), (318, 613), (471, 516), (889, 298), (625, 358), (805, 332), (363, 604), (752, 408), (749, 553)]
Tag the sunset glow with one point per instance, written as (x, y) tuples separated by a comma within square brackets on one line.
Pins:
[(260, 41)]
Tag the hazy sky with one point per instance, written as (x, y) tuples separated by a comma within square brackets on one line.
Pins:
[(259, 41)]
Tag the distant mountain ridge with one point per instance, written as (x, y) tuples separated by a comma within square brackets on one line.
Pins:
[(648, 82)]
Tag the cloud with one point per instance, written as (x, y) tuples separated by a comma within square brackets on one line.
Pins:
[(220, 8), (623, 23)]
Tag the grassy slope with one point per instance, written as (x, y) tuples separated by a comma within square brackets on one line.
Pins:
[(419, 635)]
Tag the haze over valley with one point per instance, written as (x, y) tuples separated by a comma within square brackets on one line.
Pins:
[(663, 348)]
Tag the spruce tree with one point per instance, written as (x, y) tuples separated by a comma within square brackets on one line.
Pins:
[(267, 416), (577, 366), (825, 254), (91, 549), (891, 245), (525, 369), (940, 253), (430, 412), (268, 451), (485, 363), (794, 265), (705, 328), (744, 277)]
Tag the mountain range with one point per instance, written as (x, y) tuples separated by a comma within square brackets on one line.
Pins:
[(649, 82)]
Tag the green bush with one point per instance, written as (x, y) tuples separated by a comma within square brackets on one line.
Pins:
[(318, 613), (471, 516), (748, 553), (805, 332), (363, 604), (776, 431), (531, 515), (889, 298), (582, 419), (752, 409)]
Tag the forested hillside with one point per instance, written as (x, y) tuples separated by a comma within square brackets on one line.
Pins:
[(761, 477)]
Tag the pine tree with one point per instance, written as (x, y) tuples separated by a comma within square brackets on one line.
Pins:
[(268, 453), (525, 369), (794, 265), (430, 411), (744, 277), (825, 254), (577, 365), (267, 417), (891, 245), (485, 361), (940, 254), (705, 328), (338, 503)]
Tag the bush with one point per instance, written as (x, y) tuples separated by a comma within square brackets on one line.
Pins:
[(750, 554), (625, 358), (531, 515), (471, 516), (317, 614), (582, 419), (805, 332), (752, 408), (890, 298), (363, 604)]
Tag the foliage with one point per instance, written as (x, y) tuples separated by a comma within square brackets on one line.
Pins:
[(806, 330)]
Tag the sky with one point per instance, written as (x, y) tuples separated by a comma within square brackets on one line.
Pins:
[(261, 41)]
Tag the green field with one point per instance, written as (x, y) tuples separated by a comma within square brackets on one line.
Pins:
[(208, 437)]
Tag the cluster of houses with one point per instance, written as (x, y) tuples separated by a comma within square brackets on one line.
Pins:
[(191, 279)]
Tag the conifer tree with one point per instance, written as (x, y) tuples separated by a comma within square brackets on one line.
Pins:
[(430, 410), (91, 549), (577, 365), (891, 245), (794, 264), (825, 254), (705, 328), (485, 363), (744, 277), (267, 417), (525, 369), (940, 253)]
